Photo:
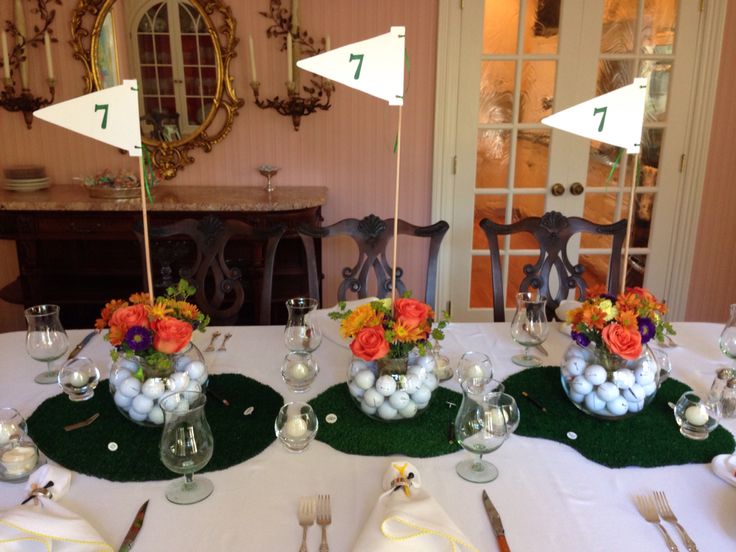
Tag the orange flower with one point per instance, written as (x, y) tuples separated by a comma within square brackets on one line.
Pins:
[(370, 344), (411, 308), (142, 298), (410, 330), (126, 317), (116, 335), (170, 334), (596, 290), (110, 308), (622, 342), (362, 317), (593, 317), (187, 310), (627, 319), (160, 309)]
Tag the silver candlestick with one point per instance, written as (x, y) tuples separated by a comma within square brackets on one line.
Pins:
[(268, 171)]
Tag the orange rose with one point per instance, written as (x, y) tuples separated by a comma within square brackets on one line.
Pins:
[(412, 309), (126, 317), (370, 344), (170, 335), (622, 342)]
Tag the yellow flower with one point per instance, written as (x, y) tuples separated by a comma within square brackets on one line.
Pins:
[(361, 317), (608, 308), (160, 309)]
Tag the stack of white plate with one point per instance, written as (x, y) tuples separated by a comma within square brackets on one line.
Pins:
[(26, 178)]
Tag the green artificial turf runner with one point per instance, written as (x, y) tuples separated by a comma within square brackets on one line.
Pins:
[(355, 433), (237, 437), (650, 438)]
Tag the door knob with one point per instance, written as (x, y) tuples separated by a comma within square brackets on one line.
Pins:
[(576, 188), (557, 189)]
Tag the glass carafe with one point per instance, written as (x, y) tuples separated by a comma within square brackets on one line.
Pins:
[(301, 333), (529, 326), (727, 341)]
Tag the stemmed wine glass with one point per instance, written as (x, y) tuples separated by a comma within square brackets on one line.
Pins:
[(186, 445), (529, 326), (46, 339), (301, 333), (480, 428), (727, 340)]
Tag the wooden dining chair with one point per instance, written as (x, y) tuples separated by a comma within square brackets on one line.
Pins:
[(371, 234), (552, 231), (196, 251)]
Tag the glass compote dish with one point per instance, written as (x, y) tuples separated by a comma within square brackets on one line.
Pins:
[(480, 428), (529, 326), (186, 445), (46, 339), (727, 339)]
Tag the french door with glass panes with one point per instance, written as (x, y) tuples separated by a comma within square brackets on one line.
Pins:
[(521, 60)]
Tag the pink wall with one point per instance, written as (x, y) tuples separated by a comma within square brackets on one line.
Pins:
[(348, 149)]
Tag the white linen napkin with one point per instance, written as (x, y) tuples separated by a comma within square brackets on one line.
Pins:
[(331, 328), (407, 519), (42, 525)]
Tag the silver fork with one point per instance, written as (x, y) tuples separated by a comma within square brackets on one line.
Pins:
[(306, 514), (211, 346), (324, 518), (222, 347), (648, 511), (663, 506)]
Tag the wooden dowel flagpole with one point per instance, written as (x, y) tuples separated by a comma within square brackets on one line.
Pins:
[(629, 221), (146, 244), (396, 211)]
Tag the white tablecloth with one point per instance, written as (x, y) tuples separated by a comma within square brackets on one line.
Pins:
[(550, 497)]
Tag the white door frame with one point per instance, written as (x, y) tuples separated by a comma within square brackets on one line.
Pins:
[(689, 190)]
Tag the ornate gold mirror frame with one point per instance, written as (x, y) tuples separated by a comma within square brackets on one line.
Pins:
[(168, 157)]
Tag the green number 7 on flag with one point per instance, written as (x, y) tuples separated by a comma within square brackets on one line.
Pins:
[(103, 107), (598, 110), (359, 57)]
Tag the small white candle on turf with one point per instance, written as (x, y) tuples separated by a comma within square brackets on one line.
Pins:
[(696, 415), (296, 427)]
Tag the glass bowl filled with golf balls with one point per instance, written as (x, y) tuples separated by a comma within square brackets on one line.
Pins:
[(392, 389)]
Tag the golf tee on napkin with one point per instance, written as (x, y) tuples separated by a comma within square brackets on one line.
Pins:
[(407, 519), (43, 525)]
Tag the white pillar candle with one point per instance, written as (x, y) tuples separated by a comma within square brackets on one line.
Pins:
[(20, 25), (49, 61), (251, 51), (290, 69), (19, 460), (6, 59), (296, 427), (696, 415)]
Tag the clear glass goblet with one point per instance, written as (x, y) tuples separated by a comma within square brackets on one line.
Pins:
[(46, 339), (529, 326), (296, 426), (78, 378), (475, 368), (301, 333), (12, 424), (299, 370), (186, 445), (510, 410), (727, 340), (480, 428)]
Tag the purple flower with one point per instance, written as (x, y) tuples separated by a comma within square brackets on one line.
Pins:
[(646, 329), (580, 339), (138, 338)]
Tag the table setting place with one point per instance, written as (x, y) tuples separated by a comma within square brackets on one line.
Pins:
[(372, 426)]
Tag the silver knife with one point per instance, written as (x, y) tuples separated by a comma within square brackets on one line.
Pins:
[(135, 528), (495, 519), (76, 350)]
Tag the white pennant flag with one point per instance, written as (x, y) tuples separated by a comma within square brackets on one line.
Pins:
[(109, 115), (615, 118), (374, 66)]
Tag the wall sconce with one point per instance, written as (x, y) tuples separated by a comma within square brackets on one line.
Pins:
[(295, 41), (15, 60)]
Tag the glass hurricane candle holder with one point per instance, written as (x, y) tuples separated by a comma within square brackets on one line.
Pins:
[(18, 458), (296, 426), (12, 423), (696, 417), (299, 370), (78, 378)]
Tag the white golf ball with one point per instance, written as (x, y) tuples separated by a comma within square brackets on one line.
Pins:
[(142, 404), (195, 369), (399, 400), (373, 398), (137, 416), (121, 400), (581, 386), (370, 410), (618, 406), (409, 411), (574, 366), (119, 376), (177, 381), (593, 402), (156, 415), (624, 378), (386, 411), (635, 393), (421, 396), (355, 390), (644, 375), (607, 391), (365, 379), (412, 383), (386, 385), (595, 374), (181, 363), (153, 388), (130, 387)]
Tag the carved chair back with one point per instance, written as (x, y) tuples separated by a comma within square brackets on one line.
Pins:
[(196, 250), (553, 232), (372, 234)]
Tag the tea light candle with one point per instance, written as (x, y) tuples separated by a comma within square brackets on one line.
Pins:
[(296, 427), (19, 460), (6, 431), (77, 379), (696, 415), (473, 372), (298, 371)]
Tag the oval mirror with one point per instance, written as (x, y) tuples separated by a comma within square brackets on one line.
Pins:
[(179, 51)]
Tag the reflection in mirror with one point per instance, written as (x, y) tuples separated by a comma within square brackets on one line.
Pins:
[(179, 51)]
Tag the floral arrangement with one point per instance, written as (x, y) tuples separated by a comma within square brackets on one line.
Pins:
[(378, 331), (108, 179), (620, 325), (152, 331)]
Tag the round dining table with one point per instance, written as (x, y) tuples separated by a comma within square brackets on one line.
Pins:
[(549, 496)]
